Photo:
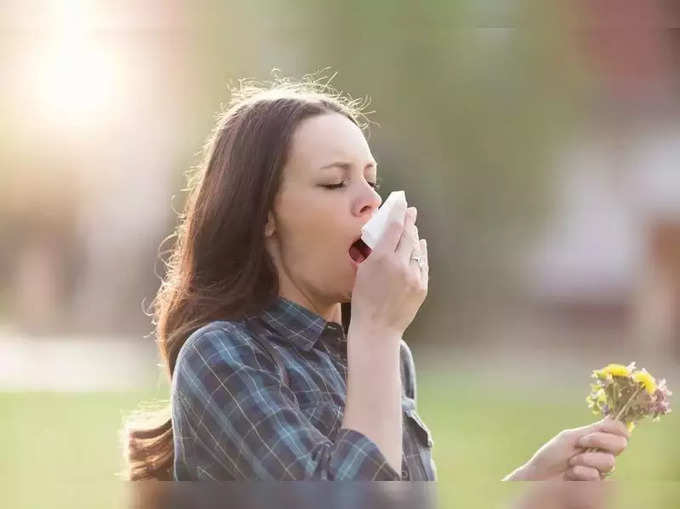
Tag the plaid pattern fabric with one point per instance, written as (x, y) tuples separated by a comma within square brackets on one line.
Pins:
[(234, 418)]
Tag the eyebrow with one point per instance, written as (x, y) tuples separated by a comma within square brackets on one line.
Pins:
[(346, 166)]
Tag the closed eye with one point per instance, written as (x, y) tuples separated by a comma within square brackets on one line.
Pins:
[(374, 185)]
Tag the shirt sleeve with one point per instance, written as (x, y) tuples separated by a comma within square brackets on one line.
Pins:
[(409, 386), (408, 371), (238, 409)]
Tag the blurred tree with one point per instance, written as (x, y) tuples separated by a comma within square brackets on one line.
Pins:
[(471, 98)]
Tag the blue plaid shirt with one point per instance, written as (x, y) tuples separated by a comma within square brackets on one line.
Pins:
[(234, 417)]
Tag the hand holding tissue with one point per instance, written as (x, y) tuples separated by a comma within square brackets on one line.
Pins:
[(375, 227)]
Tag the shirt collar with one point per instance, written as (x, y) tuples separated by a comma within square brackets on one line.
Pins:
[(297, 324)]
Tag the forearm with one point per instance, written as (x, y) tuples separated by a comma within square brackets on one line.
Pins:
[(373, 405)]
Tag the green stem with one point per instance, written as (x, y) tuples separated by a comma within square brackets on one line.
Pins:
[(630, 400), (621, 412)]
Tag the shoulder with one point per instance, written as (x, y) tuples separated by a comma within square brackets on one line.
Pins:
[(218, 333), (217, 342)]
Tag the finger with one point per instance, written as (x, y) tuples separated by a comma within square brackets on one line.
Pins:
[(393, 229), (610, 425), (425, 270), (408, 243), (608, 442), (582, 473), (602, 461)]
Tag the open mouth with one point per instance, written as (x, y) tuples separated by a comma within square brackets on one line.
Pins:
[(359, 251)]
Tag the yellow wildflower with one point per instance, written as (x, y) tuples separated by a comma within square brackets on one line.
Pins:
[(645, 379), (613, 370), (630, 426)]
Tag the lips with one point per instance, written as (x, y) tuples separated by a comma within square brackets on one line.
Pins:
[(359, 251)]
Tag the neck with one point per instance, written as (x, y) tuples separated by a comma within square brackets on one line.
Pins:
[(329, 311)]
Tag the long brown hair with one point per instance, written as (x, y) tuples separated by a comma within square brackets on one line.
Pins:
[(219, 268)]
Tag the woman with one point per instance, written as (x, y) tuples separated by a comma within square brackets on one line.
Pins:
[(270, 377)]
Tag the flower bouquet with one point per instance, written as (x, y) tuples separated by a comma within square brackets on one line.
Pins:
[(628, 394)]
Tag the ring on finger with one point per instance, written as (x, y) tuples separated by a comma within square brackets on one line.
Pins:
[(419, 259)]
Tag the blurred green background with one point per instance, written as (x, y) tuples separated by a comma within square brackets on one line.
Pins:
[(540, 142), (481, 432)]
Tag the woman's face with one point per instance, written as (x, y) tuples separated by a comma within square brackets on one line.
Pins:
[(312, 226)]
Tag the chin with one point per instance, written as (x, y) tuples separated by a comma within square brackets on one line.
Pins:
[(344, 297), (345, 290)]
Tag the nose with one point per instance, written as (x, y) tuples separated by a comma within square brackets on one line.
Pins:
[(367, 202)]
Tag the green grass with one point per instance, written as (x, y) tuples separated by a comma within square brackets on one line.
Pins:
[(63, 444), (482, 429)]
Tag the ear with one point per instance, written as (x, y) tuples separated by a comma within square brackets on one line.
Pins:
[(270, 227)]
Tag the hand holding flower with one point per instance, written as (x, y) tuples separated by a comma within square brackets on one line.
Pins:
[(563, 458), (624, 396)]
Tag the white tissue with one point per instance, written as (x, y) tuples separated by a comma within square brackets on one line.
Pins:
[(374, 229)]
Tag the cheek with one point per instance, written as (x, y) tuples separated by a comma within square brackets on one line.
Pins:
[(307, 211), (306, 238), (311, 226), (318, 226)]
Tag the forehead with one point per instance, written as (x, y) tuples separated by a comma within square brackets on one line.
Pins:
[(327, 138)]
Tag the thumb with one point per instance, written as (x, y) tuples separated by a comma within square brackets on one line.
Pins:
[(574, 434), (606, 425)]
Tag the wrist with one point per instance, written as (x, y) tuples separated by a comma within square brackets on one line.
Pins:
[(373, 334), (373, 361), (523, 473)]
